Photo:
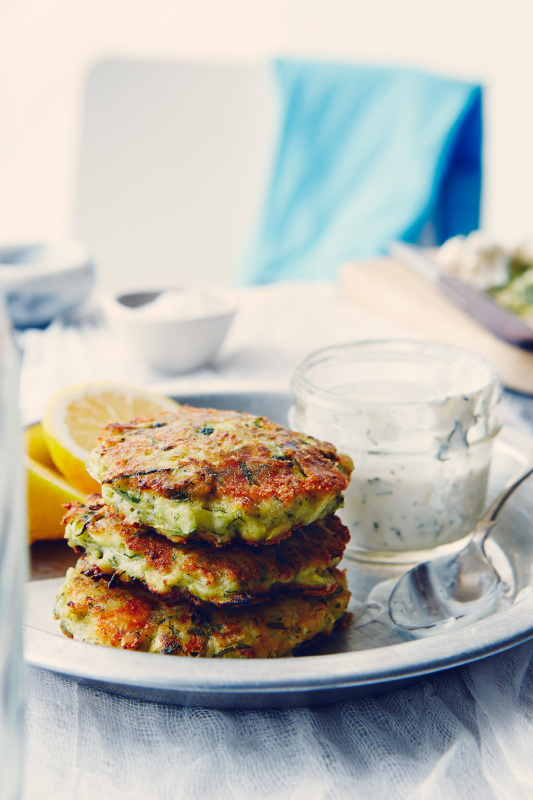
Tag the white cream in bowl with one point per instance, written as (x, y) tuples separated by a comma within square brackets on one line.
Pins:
[(175, 329)]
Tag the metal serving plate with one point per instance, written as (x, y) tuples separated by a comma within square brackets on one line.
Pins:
[(370, 657)]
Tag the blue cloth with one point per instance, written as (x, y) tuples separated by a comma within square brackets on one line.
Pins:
[(365, 155)]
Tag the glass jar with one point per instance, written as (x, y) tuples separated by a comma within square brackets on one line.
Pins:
[(419, 421), (13, 570)]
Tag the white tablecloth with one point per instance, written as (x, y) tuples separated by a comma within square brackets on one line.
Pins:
[(467, 733)]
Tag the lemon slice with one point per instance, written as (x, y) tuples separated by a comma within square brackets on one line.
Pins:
[(75, 416), (47, 492)]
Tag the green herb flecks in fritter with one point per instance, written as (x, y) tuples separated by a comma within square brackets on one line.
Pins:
[(219, 474), (236, 573), (98, 612)]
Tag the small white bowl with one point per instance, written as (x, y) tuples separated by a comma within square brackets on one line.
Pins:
[(43, 279), (176, 329)]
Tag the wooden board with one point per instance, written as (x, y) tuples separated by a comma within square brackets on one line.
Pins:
[(391, 290), (50, 559)]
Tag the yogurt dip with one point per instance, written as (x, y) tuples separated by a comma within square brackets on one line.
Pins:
[(415, 504), (419, 420)]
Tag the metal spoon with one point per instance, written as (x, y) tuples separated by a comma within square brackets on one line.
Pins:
[(453, 588)]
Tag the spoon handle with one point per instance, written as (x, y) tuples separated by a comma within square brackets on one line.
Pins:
[(486, 523)]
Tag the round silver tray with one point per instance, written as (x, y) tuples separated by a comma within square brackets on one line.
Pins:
[(371, 656)]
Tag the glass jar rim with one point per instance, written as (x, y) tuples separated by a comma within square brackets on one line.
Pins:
[(364, 349)]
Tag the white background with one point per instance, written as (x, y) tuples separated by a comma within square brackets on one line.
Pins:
[(48, 46)]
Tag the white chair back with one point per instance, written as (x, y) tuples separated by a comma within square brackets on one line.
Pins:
[(173, 167)]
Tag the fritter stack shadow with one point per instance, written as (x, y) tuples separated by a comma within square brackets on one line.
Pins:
[(214, 536)]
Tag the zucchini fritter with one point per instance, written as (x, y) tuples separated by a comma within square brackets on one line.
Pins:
[(93, 611), (219, 474), (198, 571)]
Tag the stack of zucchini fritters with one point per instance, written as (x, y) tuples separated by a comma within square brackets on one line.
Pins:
[(214, 536)]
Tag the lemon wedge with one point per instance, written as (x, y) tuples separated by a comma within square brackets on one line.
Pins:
[(75, 416), (35, 445), (47, 492)]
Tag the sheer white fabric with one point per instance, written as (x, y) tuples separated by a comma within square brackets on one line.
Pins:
[(465, 734)]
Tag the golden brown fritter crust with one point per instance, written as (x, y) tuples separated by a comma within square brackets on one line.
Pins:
[(201, 573), (134, 620), (201, 452), (219, 473)]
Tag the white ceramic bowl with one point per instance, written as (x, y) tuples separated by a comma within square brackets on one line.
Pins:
[(174, 330), (43, 279)]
